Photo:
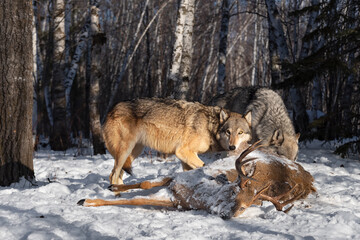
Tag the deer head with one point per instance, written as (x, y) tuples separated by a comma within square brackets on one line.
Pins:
[(271, 178)]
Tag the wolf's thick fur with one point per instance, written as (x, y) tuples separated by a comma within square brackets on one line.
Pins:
[(171, 126), (270, 120)]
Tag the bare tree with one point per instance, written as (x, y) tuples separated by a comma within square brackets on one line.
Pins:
[(98, 41), (59, 138), (224, 28), (16, 91), (279, 56)]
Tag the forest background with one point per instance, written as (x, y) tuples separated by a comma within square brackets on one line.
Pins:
[(89, 55)]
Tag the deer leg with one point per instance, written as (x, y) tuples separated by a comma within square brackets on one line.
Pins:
[(142, 185), (133, 202)]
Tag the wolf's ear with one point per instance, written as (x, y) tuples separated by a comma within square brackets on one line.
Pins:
[(297, 136), (223, 116), (248, 118), (277, 138)]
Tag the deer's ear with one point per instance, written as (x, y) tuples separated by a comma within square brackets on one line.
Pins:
[(248, 118), (277, 138), (223, 116)]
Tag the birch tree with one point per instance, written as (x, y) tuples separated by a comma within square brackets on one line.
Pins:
[(71, 74), (34, 73), (182, 53), (16, 91), (257, 33)]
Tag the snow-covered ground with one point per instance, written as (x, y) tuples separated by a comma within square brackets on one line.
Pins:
[(49, 210)]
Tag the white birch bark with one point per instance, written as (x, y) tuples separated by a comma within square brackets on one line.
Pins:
[(35, 72), (254, 72), (158, 71), (187, 40), (59, 34), (266, 81), (187, 51), (70, 76), (178, 45)]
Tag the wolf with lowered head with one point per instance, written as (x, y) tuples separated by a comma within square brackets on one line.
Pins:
[(173, 127), (270, 120)]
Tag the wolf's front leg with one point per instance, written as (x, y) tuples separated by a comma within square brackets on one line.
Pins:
[(190, 159)]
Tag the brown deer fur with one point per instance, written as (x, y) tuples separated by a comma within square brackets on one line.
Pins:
[(227, 192)]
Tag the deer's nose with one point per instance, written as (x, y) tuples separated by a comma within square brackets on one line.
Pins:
[(232, 147)]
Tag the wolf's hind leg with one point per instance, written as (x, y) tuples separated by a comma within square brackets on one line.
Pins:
[(134, 154), (122, 154)]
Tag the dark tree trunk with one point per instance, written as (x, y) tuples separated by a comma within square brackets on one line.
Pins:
[(98, 41), (225, 17), (16, 91), (59, 138)]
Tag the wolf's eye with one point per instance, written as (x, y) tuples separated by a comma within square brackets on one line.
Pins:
[(240, 132), (228, 132)]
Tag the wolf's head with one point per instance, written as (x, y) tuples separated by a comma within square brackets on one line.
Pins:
[(234, 132), (285, 144)]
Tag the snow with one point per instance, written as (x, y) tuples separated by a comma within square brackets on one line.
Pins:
[(50, 211)]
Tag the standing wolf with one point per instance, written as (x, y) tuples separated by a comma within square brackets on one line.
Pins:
[(270, 120), (171, 126)]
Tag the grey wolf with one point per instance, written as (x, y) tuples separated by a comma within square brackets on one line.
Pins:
[(171, 127), (270, 120), (226, 192)]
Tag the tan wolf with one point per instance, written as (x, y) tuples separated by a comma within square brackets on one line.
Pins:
[(221, 189), (173, 127), (270, 120)]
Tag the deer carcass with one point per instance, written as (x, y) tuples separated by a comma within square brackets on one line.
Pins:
[(221, 189)]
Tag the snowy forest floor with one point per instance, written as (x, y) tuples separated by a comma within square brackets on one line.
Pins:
[(49, 210)]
